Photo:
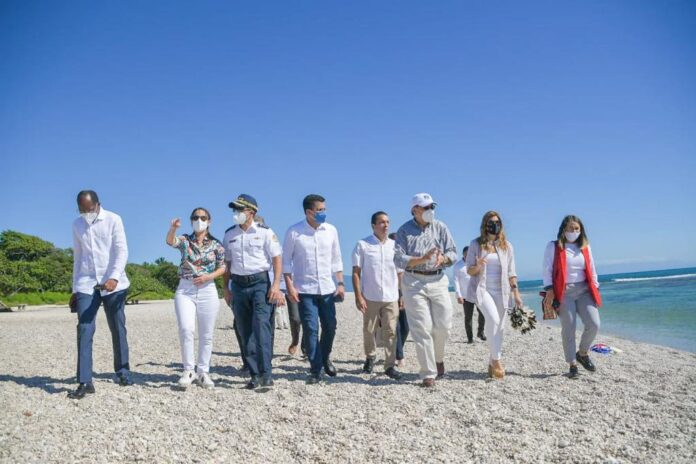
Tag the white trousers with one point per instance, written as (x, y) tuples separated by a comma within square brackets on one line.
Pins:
[(193, 304), (493, 310), (429, 313)]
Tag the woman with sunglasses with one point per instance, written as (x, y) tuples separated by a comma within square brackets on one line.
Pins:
[(196, 298), (491, 264), (572, 289)]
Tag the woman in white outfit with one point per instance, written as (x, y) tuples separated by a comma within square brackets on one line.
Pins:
[(491, 263), (196, 298)]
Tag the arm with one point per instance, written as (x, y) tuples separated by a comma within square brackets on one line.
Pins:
[(547, 266), (172, 239), (474, 263), (227, 295), (77, 256), (272, 247), (288, 250), (404, 261), (360, 302), (119, 249), (337, 265), (449, 248), (595, 279), (512, 276)]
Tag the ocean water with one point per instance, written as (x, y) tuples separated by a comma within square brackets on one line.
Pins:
[(655, 306)]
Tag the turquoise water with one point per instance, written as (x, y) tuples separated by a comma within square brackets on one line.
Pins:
[(656, 306)]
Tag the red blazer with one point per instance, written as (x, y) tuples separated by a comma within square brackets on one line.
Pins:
[(559, 274)]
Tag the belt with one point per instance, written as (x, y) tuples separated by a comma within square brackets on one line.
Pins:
[(437, 272), (251, 278)]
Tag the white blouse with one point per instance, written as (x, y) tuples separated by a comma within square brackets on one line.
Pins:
[(575, 264)]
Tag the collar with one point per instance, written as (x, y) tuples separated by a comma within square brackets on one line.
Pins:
[(321, 226), (376, 238)]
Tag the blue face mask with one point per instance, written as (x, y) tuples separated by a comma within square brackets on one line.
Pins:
[(320, 217)]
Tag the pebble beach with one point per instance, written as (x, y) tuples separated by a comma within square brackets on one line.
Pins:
[(640, 405)]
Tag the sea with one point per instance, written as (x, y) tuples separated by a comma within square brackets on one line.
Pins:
[(657, 307)]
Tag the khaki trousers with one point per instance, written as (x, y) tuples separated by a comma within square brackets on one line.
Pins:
[(388, 314)]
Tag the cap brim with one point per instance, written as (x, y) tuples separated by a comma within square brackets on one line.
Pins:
[(236, 205)]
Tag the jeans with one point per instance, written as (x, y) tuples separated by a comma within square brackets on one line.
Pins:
[(87, 307), (316, 309)]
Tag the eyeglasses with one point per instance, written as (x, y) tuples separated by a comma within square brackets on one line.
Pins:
[(202, 218)]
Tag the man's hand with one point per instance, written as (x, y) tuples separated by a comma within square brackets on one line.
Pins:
[(275, 296), (402, 306), (227, 295), (293, 294), (460, 300), (110, 285), (340, 292), (360, 303)]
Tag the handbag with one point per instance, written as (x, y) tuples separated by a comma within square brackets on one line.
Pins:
[(551, 313)]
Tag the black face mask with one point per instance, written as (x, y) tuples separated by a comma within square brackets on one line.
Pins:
[(493, 228)]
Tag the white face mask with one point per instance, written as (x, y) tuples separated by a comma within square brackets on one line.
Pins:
[(89, 217), (429, 215), (240, 217), (199, 225), (572, 236)]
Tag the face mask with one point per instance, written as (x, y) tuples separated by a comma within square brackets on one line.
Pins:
[(320, 217), (199, 225), (493, 228), (572, 236), (429, 215), (240, 217), (89, 217)]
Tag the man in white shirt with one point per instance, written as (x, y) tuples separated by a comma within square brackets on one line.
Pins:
[(461, 286), (100, 253), (251, 251), (311, 254), (376, 284)]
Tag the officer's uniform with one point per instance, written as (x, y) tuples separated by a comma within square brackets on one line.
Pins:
[(250, 254)]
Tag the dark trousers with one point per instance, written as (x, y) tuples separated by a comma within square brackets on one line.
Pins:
[(87, 307), (468, 316), (401, 334), (254, 317), (239, 341), (295, 323), (316, 309)]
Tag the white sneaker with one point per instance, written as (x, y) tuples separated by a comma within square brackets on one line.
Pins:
[(186, 379), (205, 381)]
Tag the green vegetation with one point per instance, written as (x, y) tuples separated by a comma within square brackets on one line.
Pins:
[(33, 271)]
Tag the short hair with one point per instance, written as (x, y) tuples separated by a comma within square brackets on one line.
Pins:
[(310, 200), (466, 248), (88, 193), (373, 220)]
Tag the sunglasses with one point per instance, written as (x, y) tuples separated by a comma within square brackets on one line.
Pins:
[(430, 206), (202, 218)]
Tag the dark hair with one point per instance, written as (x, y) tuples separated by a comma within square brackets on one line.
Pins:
[(392, 236), (466, 248), (88, 193), (310, 200), (207, 213), (373, 220), (582, 241)]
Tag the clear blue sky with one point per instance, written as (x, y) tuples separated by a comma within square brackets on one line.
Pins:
[(535, 109)]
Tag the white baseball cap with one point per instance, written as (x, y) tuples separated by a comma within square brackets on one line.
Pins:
[(422, 200)]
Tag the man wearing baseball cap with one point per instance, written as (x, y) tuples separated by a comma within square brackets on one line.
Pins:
[(251, 251), (424, 248)]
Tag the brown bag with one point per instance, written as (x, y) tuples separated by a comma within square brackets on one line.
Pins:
[(550, 314)]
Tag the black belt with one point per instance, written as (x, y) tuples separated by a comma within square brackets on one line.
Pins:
[(438, 272), (250, 279)]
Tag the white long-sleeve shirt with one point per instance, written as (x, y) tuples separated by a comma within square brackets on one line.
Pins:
[(575, 264), (312, 256), (461, 280), (100, 252)]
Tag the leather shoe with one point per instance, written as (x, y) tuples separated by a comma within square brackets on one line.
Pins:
[(573, 372), (124, 380), (470, 341), (313, 379), (81, 390), (440, 370), (369, 365), (252, 384), (329, 368), (482, 337), (428, 383), (585, 361), (392, 373)]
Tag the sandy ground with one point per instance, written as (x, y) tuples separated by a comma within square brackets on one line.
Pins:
[(639, 406)]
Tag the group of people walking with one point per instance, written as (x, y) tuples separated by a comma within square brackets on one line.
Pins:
[(400, 284)]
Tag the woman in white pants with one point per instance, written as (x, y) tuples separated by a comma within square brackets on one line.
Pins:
[(493, 286), (196, 298)]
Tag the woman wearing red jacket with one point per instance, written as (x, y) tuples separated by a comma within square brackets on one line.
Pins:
[(572, 289)]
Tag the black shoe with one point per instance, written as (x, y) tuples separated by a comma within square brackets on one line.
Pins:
[(573, 372), (585, 361), (392, 373), (124, 380), (482, 337), (440, 370), (252, 384), (470, 341), (329, 368), (313, 379), (369, 364), (81, 390)]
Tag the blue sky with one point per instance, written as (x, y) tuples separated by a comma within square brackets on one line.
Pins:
[(534, 109)]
